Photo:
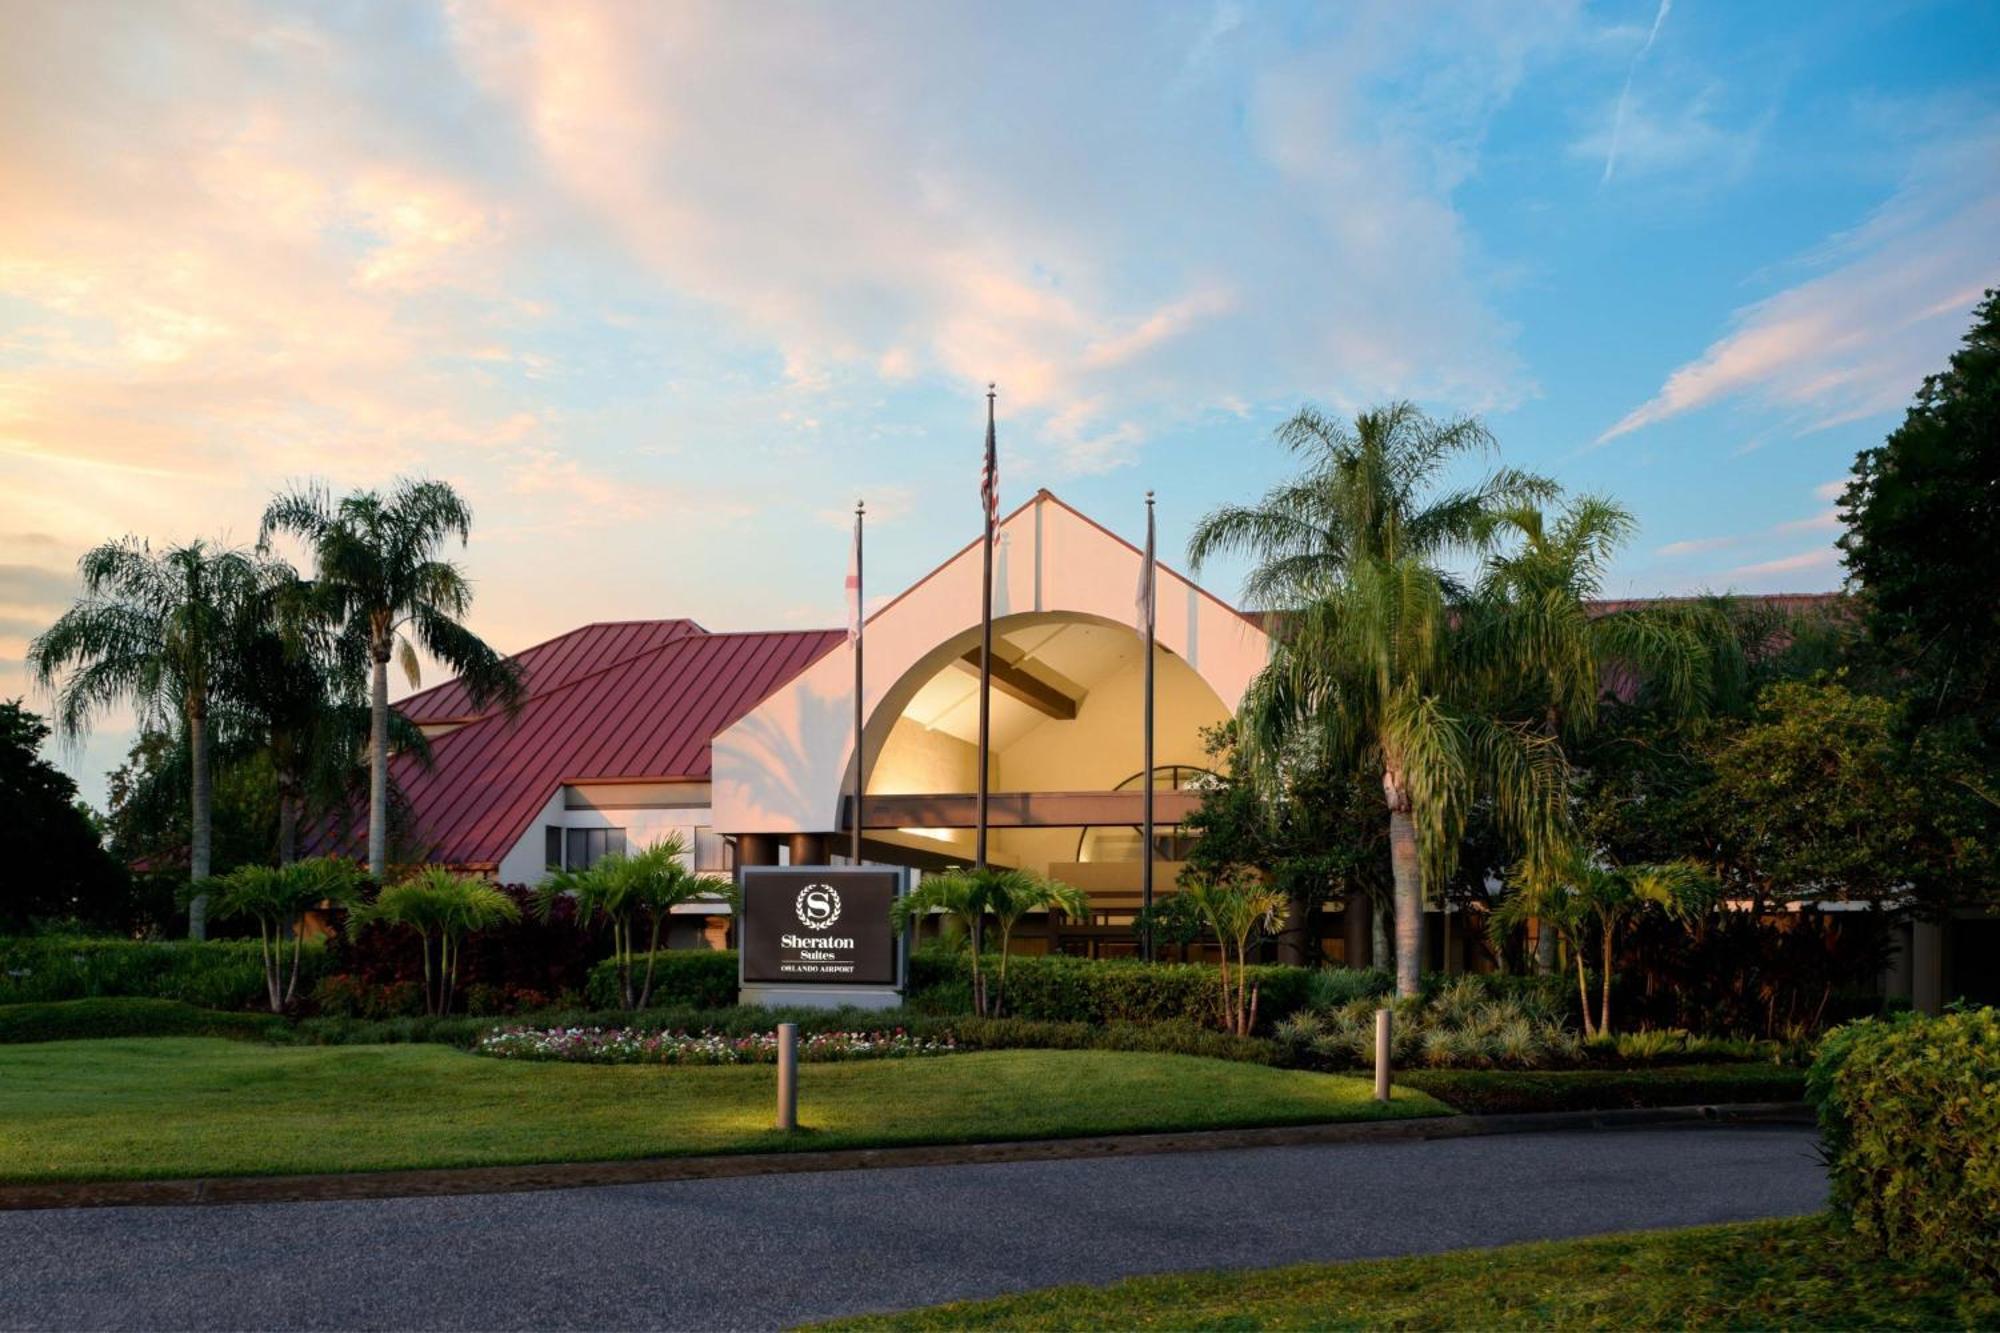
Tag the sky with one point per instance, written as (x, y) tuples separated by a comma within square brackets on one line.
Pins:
[(664, 288)]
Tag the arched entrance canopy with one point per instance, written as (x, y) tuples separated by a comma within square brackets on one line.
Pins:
[(1064, 653)]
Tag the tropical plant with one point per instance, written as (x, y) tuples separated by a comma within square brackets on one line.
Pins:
[(1386, 664), (159, 630), (442, 907), (278, 898), (1240, 910), (1013, 894), (1584, 895), (967, 897), (377, 577), (630, 893)]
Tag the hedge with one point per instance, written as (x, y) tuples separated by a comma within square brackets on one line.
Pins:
[(1909, 1110), (217, 974), (1504, 1091), (1060, 989), (682, 979), (125, 1016)]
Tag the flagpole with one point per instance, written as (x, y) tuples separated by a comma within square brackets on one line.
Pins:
[(1146, 850), (860, 632), (988, 498)]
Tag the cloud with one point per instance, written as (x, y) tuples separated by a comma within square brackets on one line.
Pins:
[(1831, 490), (1648, 138), (1825, 557), (1859, 338), (1696, 546), (1827, 520)]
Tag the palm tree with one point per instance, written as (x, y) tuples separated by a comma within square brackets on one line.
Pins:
[(1681, 655), (160, 630), (1013, 894), (378, 577), (278, 899), (441, 906), (1240, 910), (970, 896), (1387, 661), (1364, 495), (1588, 895), (623, 891)]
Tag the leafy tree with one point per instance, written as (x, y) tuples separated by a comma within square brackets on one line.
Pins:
[(1923, 522), (278, 898), (1815, 801), (1321, 836), (442, 907), (1239, 910), (160, 631), (56, 865), (377, 577), (1387, 664)]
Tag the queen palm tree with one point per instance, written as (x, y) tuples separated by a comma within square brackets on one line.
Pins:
[(1550, 576), (378, 577), (1386, 660), (162, 631)]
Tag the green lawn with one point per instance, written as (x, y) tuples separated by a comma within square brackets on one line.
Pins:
[(1798, 1274), (129, 1108)]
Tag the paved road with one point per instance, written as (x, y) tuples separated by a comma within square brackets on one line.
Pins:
[(767, 1251)]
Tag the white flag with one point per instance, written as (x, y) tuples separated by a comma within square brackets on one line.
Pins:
[(854, 585), (1142, 597)]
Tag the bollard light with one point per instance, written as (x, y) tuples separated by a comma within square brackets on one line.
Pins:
[(1382, 1021), (788, 1076)]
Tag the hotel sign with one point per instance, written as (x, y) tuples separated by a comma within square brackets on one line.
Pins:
[(819, 925)]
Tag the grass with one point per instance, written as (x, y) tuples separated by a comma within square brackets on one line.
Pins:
[(70, 1020), (1800, 1273), (1480, 1091), (178, 1107)]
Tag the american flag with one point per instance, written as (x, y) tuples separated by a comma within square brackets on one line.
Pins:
[(989, 476)]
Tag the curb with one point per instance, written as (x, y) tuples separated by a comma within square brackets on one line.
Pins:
[(651, 1170)]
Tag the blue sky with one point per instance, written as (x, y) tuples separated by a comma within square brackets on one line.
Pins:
[(664, 288)]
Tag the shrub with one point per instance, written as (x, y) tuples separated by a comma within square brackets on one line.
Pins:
[(551, 955), (682, 978), (1502, 1091), (1909, 1110), (1082, 990), (126, 1016), (1469, 1023), (345, 996), (216, 974)]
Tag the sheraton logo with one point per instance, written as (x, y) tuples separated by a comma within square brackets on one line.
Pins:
[(817, 906)]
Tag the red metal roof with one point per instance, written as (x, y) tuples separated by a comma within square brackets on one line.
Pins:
[(647, 717), (553, 664)]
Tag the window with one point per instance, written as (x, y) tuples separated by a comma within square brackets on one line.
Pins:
[(552, 846), (585, 847), (713, 853)]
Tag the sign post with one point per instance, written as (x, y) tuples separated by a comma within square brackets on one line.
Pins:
[(820, 937)]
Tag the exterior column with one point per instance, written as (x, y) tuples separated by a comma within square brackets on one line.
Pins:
[(808, 849), (1926, 967), (756, 849), (1354, 930)]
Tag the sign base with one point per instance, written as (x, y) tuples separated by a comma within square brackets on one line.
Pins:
[(818, 997)]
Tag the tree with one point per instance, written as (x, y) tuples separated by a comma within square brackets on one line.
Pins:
[(378, 577), (161, 631), (1923, 520), (1370, 669), (626, 893), (1240, 910), (1586, 895), (278, 898), (56, 865), (969, 896), (442, 907)]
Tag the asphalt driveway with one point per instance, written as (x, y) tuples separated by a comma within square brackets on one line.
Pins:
[(768, 1251)]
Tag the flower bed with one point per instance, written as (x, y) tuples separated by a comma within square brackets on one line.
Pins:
[(636, 1046)]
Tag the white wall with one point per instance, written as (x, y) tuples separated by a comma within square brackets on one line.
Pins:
[(525, 861)]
